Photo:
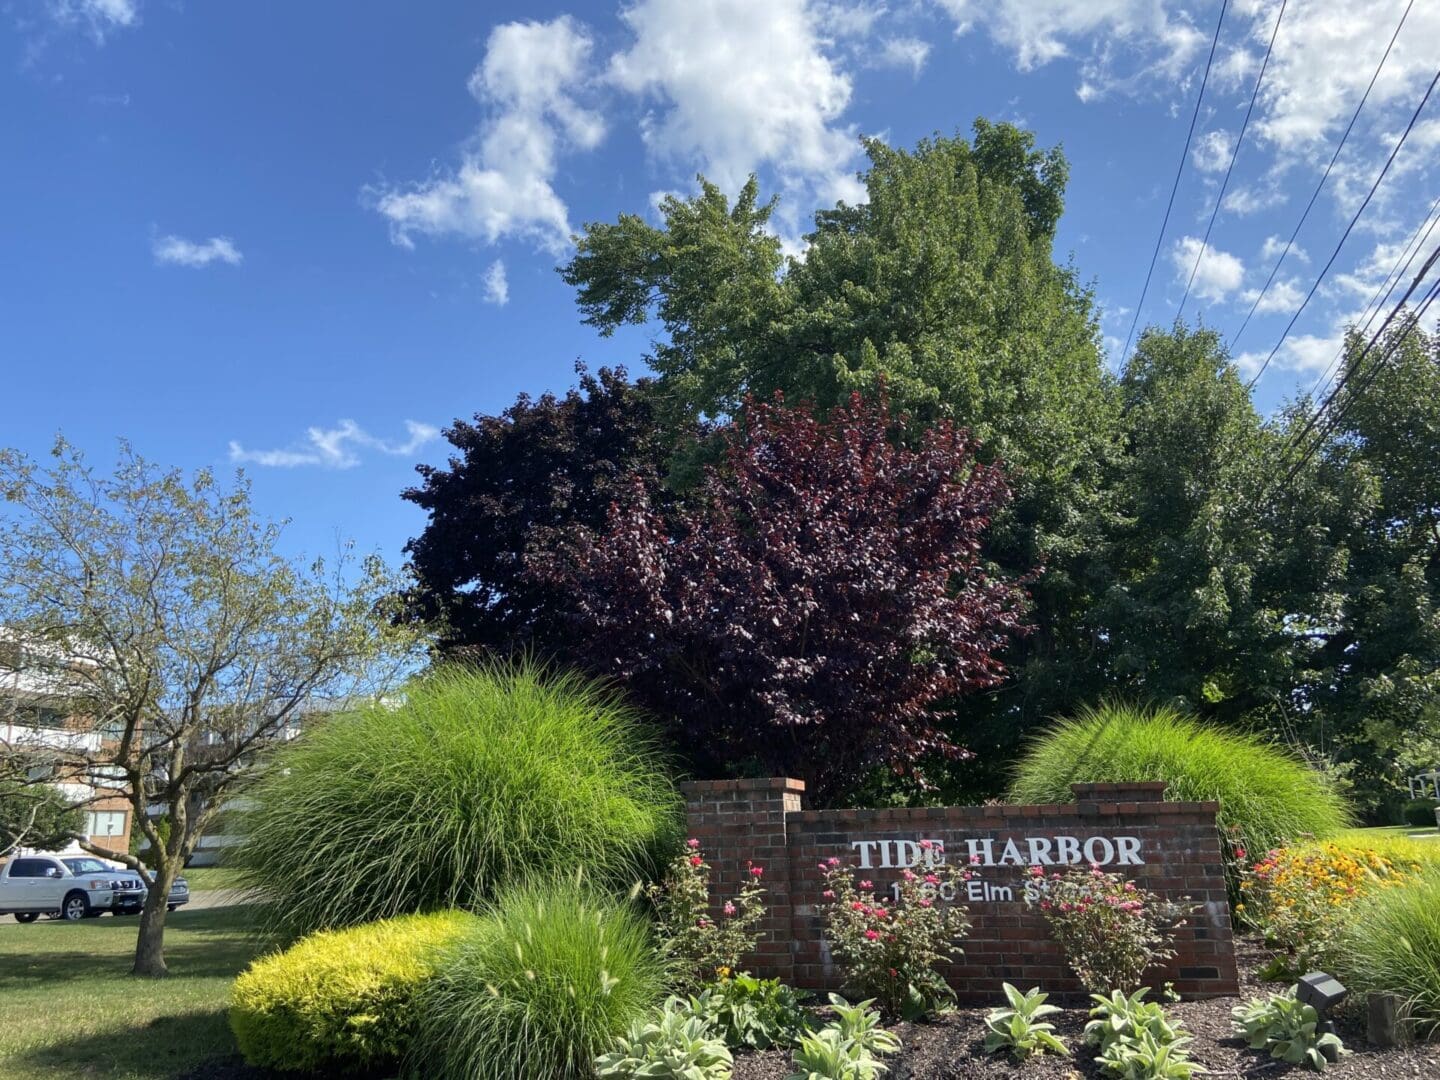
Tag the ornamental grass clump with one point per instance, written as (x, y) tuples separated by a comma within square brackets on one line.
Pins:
[(705, 939), (341, 1000), (890, 948), (1300, 899), (1267, 795), (553, 975), (1111, 930), (478, 778), (1392, 944)]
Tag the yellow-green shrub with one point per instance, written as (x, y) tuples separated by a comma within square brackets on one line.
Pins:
[(340, 998)]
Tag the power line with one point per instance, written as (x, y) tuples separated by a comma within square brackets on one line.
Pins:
[(1394, 346), (1174, 187), (1346, 234), (1225, 183), (1295, 440), (1316, 193), (1418, 239)]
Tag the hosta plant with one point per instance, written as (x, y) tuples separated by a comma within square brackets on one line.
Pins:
[(1289, 1028), (1019, 1027), (1119, 1016), (1145, 1057), (890, 948), (673, 1046), (1112, 930), (754, 1013), (705, 938)]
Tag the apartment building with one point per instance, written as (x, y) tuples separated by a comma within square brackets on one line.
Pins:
[(37, 714)]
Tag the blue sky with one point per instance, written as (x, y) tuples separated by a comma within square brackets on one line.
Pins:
[(302, 237)]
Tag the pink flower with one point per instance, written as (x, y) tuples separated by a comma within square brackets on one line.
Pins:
[(702, 922), (856, 905), (1037, 871), (867, 884), (974, 860), (931, 879), (908, 876), (696, 860), (894, 974), (926, 845), (871, 935), (1239, 853), (822, 867), (880, 913), (828, 894), (756, 871), (832, 861), (729, 908), (692, 843), (1066, 907), (1129, 886), (926, 902)]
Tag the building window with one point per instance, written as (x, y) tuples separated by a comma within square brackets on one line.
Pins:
[(40, 716), (107, 823)]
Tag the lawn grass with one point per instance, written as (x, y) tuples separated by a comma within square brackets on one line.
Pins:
[(70, 1009), (212, 877)]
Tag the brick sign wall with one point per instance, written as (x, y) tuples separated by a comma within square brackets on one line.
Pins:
[(1170, 848)]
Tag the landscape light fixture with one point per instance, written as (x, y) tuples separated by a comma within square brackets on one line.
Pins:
[(1324, 992)]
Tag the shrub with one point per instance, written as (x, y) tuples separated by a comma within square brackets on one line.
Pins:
[(542, 987), (1146, 1057), (1267, 796), (478, 778), (751, 1012), (1019, 1028), (1392, 943), (674, 1046), (889, 948), (1288, 1028), (340, 999), (1400, 850), (1419, 812), (1299, 898), (1111, 930), (702, 944)]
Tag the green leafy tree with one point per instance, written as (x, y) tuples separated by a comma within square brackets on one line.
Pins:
[(944, 283), (175, 631), (1372, 688)]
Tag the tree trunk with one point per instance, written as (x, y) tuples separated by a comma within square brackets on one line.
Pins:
[(150, 945)]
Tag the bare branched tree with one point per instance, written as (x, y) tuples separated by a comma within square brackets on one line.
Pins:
[(181, 642)]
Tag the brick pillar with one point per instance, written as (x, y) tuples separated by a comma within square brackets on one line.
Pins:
[(739, 822)]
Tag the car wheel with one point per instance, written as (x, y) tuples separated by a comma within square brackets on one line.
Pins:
[(172, 907), (75, 907), (26, 916)]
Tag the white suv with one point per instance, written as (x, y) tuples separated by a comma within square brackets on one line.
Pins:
[(35, 885)]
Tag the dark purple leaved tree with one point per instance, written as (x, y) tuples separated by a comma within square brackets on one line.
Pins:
[(811, 609)]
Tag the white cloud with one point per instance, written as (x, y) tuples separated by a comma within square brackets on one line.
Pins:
[(1252, 199), (335, 448), (1211, 152), (1040, 32), (904, 52), (1284, 294), (1324, 56), (99, 17), (177, 251), (1219, 274), (496, 284), (1274, 245), (529, 80), (733, 91)]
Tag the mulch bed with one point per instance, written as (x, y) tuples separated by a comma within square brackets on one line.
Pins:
[(952, 1048)]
